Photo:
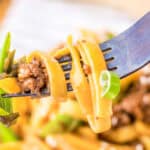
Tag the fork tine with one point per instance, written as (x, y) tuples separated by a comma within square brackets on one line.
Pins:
[(110, 59), (112, 64), (66, 67), (65, 58), (67, 76), (24, 95), (105, 46), (108, 56), (69, 87)]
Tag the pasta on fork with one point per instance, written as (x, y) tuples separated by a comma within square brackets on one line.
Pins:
[(81, 107)]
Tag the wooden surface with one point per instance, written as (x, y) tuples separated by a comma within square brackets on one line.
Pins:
[(4, 4)]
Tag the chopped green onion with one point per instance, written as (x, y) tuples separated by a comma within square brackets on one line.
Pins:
[(61, 123), (51, 127), (7, 116), (109, 35), (75, 124), (3, 112), (9, 61), (6, 134), (9, 119), (5, 103), (4, 51), (64, 118), (110, 83)]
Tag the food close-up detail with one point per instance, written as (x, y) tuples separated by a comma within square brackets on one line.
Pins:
[(74, 75), (66, 98)]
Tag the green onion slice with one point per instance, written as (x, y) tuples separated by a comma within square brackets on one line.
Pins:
[(8, 63), (6, 134), (109, 35), (60, 124), (9, 119), (4, 51), (5, 103), (110, 83), (3, 112)]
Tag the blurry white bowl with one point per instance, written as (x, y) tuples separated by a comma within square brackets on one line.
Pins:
[(41, 24)]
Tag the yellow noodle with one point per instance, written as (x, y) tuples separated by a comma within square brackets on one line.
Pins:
[(142, 128), (122, 135), (55, 74), (97, 109), (146, 141)]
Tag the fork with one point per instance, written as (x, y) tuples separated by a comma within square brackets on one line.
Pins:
[(124, 54)]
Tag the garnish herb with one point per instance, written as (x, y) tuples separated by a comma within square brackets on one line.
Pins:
[(110, 83), (6, 134), (61, 123), (4, 51)]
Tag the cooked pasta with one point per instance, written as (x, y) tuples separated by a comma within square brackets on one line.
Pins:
[(81, 119)]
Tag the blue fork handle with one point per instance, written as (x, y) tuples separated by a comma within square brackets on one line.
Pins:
[(138, 43), (131, 48)]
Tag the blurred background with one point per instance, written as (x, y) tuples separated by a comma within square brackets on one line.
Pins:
[(42, 24)]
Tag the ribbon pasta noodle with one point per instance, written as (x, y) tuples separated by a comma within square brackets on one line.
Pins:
[(97, 109)]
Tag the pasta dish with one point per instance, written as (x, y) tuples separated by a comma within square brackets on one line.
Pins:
[(84, 107)]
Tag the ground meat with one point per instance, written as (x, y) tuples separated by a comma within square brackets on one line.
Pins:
[(136, 105), (29, 84), (145, 78), (138, 145), (23, 72), (127, 110), (145, 106), (121, 119), (32, 77), (145, 103)]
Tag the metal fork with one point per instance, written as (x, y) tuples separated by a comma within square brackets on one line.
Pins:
[(124, 54), (130, 50)]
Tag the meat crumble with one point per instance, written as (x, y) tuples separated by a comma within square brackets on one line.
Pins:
[(135, 105), (32, 77)]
